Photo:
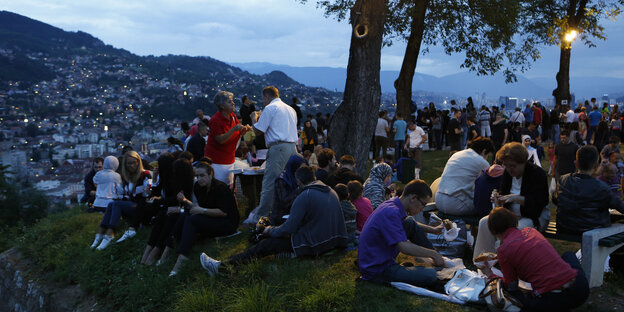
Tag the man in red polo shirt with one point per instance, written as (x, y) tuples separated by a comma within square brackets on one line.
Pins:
[(225, 133)]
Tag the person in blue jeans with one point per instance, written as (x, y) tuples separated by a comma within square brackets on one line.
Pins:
[(399, 128), (389, 231)]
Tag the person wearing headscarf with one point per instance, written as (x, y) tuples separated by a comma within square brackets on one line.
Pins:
[(533, 158), (488, 180), (286, 189), (375, 186)]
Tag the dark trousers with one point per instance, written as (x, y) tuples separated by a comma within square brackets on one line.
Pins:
[(163, 229), (398, 150), (266, 247), (115, 210), (563, 300), (437, 135), (380, 143), (205, 226)]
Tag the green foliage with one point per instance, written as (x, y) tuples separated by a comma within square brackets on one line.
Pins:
[(19, 204)]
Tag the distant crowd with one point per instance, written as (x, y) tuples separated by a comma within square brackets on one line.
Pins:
[(312, 201)]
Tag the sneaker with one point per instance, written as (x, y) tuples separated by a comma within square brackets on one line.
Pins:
[(126, 235), (97, 240), (160, 262), (105, 242), (173, 273), (209, 264)]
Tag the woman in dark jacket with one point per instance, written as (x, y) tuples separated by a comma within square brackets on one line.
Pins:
[(286, 189), (524, 191)]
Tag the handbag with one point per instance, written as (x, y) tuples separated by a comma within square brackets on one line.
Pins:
[(498, 299), (466, 285)]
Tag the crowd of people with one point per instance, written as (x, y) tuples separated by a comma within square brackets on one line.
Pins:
[(311, 202)]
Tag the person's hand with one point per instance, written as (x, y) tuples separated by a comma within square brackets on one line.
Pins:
[(265, 230), (487, 270), (509, 198), (437, 230), (197, 210), (495, 197), (437, 259), (181, 197), (238, 127)]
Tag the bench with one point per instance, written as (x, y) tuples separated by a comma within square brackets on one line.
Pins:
[(596, 245)]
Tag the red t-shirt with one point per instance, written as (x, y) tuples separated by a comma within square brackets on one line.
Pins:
[(222, 154), (537, 116), (525, 254), (364, 210)]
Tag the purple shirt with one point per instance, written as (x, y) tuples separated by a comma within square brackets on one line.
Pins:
[(382, 232)]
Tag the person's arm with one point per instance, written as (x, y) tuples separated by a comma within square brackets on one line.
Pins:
[(458, 130), (196, 209), (222, 138), (430, 229), (505, 137), (407, 142), (297, 212), (412, 249)]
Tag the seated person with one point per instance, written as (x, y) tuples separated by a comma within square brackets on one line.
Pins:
[(89, 186), (386, 234), (362, 204), (375, 186), (344, 173), (108, 181), (315, 226), (286, 189), (582, 201), (455, 194), (326, 164), (559, 283), (524, 191), (348, 210), (612, 147), (487, 181), (213, 212), (608, 173)]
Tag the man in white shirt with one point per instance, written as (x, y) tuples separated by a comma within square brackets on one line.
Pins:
[(571, 116), (517, 116), (278, 121), (455, 194), (200, 116), (381, 135), (416, 136)]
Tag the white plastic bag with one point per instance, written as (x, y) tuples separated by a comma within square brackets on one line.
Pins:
[(466, 285)]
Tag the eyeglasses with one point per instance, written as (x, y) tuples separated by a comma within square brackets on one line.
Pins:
[(422, 202)]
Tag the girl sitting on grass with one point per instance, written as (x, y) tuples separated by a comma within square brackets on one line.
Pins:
[(108, 184)]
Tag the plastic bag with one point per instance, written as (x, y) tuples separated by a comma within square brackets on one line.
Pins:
[(466, 285), (454, 248)]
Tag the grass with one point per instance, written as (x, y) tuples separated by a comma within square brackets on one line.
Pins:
[(59, 246)]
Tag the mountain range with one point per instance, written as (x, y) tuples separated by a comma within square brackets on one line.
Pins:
[(462, 84)]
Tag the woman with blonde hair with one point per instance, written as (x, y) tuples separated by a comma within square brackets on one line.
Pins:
[(136, 183)]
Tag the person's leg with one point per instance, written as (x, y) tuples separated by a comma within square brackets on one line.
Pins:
[(417, 275), (107, 216), (415, 234), (277, 158), (485, 240), (458, 205), (266, 247), (385, 147)]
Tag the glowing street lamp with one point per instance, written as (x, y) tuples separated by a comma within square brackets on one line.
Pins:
[(571, 35)]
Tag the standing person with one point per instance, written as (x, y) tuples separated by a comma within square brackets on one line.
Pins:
[(200, 117), (278, 122), (89, 186), (398, 127), (559, 283), (528, 113), (455, 132), (616, 125), (455, 194), (499, 131), (414, 143), (436, 121), (594, 119), (381, 135), (517, 116), (565, 154), (308, 137), (294, 106), (225, 132), (555, 122), (385, 235), (246, 110), (463, 123), (196, 144), (484, 121)]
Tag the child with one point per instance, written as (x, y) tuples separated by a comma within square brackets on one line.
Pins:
[(363, 205), (348, 210), (109, 184)]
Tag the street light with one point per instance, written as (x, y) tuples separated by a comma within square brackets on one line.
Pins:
[(571, 35)]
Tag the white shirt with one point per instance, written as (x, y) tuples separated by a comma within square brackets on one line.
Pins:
[(418, 135), (461, 171), (380, 130), (517, 117), (570, 116), (516, 186), (278, 121)]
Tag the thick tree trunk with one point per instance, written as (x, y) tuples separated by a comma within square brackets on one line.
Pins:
[(403, 84), (562, 92), (352, 125)]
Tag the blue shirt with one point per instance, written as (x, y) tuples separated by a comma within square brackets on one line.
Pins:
[(400, 126), (528, 115), (594, 118), (378, 246)]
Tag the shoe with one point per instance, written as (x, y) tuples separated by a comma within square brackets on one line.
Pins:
[(209, 264), (126, 235), (173, 273), (160, 262), (97, 240), (105, 242)]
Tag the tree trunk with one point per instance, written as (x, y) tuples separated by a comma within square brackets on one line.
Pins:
[(562, 92), (403, 84), (352, 125)]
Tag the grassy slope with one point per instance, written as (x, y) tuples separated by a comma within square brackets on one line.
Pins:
[(59, 246)]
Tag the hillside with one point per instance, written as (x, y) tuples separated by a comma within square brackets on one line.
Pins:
[(78, 68)]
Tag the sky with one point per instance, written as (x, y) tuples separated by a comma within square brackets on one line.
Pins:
[(284, 32)]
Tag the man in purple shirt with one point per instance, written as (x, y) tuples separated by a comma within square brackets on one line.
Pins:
[(384, 235)]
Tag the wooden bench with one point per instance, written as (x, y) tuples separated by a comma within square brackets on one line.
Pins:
[(596, 245)]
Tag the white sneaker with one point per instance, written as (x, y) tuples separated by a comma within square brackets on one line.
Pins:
[(105, 242), (173, 273), (97, 240), (211, 265), (126, 235)]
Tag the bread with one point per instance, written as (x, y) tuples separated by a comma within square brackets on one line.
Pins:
[(486, 256), (448, 224)]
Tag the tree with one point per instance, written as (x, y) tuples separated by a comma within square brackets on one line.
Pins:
[(353, 123)]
